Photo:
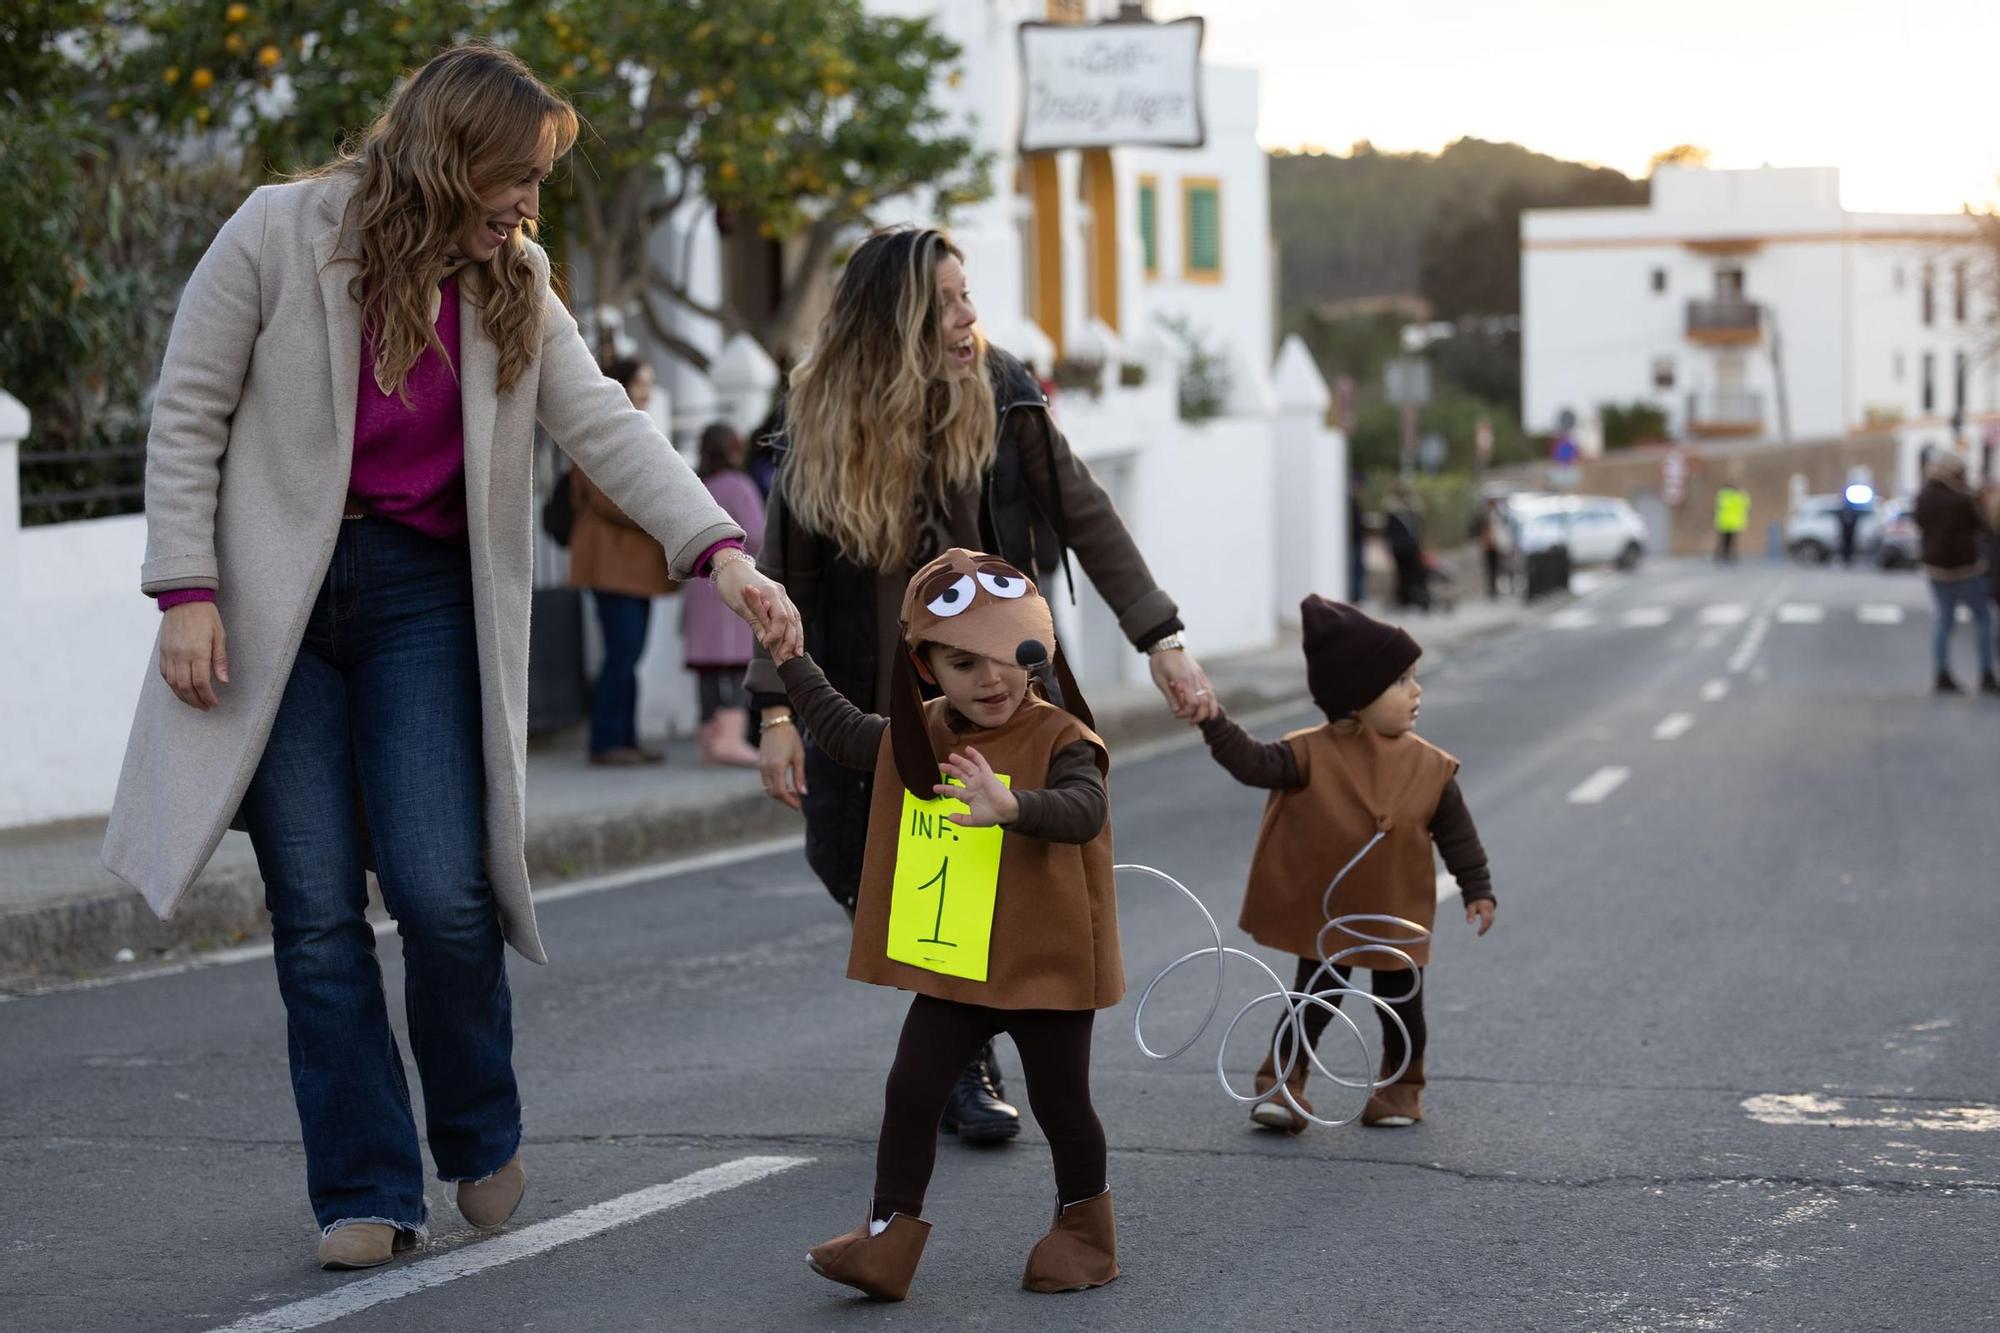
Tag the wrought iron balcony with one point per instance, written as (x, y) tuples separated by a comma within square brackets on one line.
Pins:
[(1725, 412), (1731, 320)]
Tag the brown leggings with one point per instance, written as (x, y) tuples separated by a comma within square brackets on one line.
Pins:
[(939, 1036)]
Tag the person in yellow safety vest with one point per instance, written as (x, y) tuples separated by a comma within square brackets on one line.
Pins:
[(1732, 515)]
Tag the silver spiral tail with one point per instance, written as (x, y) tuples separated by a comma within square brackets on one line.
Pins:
[(1361, 928)]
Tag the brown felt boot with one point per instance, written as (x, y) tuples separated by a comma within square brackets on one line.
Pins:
[(1272, 1113), (490, 1202), (880, 1265), (1400, 1104), (363, 1245), (1080, 1251)]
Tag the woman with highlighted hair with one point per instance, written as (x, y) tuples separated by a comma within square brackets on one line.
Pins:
[(905, 434), (340, 470)]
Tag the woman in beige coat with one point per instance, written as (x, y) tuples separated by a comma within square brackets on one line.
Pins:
[(339, 470)]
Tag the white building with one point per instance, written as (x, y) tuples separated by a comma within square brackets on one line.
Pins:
[(1750, 303)]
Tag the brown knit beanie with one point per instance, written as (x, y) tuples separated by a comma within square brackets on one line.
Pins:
[(1351, 657)]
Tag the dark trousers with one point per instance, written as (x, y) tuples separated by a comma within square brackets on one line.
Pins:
[(939, 1036), (720, 687), (614, 699), (1725, 547), (383, 703), (1492, 558), (1390, 986)]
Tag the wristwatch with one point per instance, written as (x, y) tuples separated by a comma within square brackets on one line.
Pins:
[(1172, 643)]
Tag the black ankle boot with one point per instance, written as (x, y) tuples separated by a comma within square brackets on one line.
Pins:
[(978, 1111), (1946, 685), (1988, 684)]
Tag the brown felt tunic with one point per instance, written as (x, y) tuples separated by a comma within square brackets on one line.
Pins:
[(1055, 917), (1352, 785)]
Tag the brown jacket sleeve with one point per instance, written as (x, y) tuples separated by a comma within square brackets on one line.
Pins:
[(1103, 545), (1458, 842), (1073, 806), (790, 558), (850, 737), (1254, 763)]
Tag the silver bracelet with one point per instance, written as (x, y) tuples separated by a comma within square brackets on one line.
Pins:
[(728, 555), (1172, 643)]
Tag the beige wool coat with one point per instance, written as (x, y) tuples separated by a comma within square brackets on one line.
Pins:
[(246, 476)]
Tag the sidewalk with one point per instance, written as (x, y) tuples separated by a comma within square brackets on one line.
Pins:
[(62, 914)]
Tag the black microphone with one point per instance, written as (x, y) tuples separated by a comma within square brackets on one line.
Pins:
[(1035, 658)]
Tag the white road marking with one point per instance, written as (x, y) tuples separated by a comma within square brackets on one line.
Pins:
[(1673, 726), (1573, 617), (1447, 887), (1599, 785), (1811, 1109), (505, 1249), (1877, 613), (1715, 691), (1587, 581), (1647, 617), (1725, 613), (1801, 613), (1746, 651)]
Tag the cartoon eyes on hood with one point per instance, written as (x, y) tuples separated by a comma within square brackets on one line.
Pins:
[(956, 599), (1003, 583)]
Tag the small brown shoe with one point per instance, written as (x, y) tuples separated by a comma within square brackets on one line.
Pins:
[(627, 756), (363, 1245), (1080, 1251), (881, 1265), (490, 1202), (1272, 1112), (1398, 1105)]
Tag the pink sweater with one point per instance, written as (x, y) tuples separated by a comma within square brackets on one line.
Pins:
[(409, 461)]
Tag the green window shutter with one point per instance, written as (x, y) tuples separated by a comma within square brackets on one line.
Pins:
[(1204, 239), (1149, 224)]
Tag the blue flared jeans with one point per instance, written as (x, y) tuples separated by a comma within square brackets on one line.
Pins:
[(375, 760)]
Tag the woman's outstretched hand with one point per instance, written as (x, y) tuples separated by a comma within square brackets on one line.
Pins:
[(1184, 684), (194, 653), (987, 800), (762, 604)]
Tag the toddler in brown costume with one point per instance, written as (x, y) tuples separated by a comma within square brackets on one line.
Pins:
[(1333, 788), (969, 622)]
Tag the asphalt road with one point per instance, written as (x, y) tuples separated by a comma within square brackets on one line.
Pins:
[(1727, 1061)]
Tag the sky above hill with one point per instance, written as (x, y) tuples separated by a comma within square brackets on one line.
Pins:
[(1902, 95)]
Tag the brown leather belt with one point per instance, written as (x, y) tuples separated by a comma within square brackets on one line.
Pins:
[(356, 508)]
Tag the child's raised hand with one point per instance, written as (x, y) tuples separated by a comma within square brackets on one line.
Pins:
[(1480, 910), (779, 642), (987, 800)]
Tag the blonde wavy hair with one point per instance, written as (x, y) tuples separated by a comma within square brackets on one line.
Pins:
[(878, 416), (474, 118)]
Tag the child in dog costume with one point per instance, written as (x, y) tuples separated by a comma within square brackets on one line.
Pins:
[(969, 622), (1334, 787)]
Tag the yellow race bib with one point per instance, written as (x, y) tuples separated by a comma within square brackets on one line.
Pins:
[(941, 900)]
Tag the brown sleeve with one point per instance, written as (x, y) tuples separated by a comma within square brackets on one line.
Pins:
[(1103, 545), (1458, 841), (1073, 806), (789, 557), (1254, 763), (850, 737)]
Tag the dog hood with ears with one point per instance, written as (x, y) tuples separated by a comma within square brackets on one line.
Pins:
[(981, 604)]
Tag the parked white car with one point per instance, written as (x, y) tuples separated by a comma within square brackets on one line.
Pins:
[(1598, 529), (1812, 529)]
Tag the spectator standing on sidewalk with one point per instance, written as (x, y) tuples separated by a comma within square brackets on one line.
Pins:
[(625, 569), (1955, 539), (340, 467), (718, 645), (1732, 516)]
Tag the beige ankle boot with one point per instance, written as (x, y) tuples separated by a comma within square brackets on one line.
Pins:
[(363, 1245), (881, 1265), (490, 1202), (1080, 1251), (1401, 1103), (1272, 1113), (722, 739)]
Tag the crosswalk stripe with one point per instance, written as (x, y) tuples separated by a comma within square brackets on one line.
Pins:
[(1572, 617), (1801, 613), (1673, 726), (1715, 691), (1876, 613), (1725, 613), (1647, 617)]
